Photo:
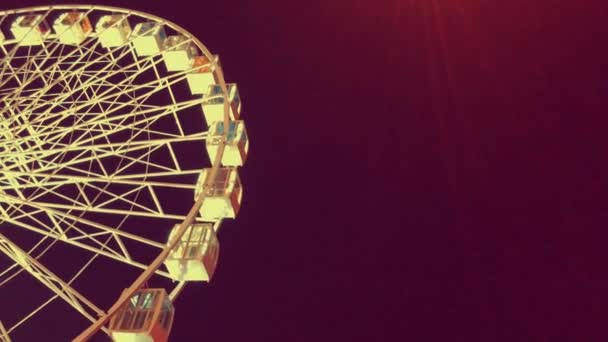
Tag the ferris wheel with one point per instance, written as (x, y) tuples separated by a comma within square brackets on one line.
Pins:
[(119, 141)]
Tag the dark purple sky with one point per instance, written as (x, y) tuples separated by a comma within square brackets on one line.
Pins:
[(419, 171)]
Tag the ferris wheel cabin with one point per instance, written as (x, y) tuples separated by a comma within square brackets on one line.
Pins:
[(148, 38), (224, 197), (195, 256), (179, 53), (72, 28), (113, 30), (146, 317), (213, 108), (30, 29), (237, 143), (202, 76)]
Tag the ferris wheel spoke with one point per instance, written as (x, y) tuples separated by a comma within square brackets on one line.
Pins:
[(57, 81), (74, 90), (152, 175), (149, 115), (7, 271), (50, 300), (47, 179), (49, 279), (91, 155), (97, 227), (112, 146), (112, 211), (59, 61), (102, 75), (31, 251), (26, 72), (82, 207), (43, 120), (86, 235), (153, 87), (9, 90), (142, 179), (123, 198), (84, 241), (99, 158), (109, 129), (146, 149), (142, 199)]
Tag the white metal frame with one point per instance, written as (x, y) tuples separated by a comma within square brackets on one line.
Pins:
[(62, 108)]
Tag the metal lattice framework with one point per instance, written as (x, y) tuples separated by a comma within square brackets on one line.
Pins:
[(96, 143)]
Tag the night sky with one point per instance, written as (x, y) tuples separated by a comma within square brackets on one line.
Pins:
[(419, 171)]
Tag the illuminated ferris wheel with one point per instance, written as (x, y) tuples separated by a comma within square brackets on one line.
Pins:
[(121, 141)]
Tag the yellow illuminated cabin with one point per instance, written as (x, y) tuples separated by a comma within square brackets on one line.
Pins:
[(148, 38), (146, 317), (178, 53), (213, 108), (224, 197), (30, 29), (72, 27), (2, 37), (113, 30), (202, 76), (237, 143), (195, 256)]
